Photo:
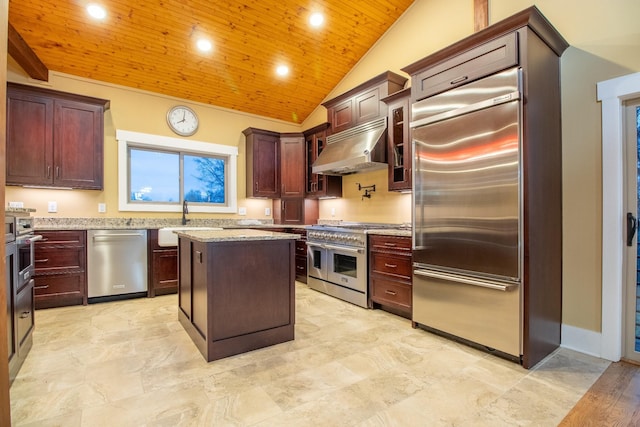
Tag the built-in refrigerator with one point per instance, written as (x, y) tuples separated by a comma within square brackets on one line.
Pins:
[(467, 212)]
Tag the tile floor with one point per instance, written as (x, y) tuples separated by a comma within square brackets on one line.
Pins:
[(130, 363)]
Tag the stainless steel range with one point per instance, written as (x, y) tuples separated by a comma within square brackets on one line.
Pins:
[(337, 260)]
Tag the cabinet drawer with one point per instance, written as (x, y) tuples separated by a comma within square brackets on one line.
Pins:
[(397, 244), (51, 260), (59, 284), (24, 312), (301, 265), (391, 293), (61, 238), (301, 247), (391, 264), (471, 65)]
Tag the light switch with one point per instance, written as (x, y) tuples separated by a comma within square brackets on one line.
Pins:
[(52, 207), (242, 211), (102, 207), (267, 211)]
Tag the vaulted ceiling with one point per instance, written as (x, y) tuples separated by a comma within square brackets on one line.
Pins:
[(150, 45)]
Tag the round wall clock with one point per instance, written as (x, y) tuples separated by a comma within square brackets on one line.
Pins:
[(182, 120)]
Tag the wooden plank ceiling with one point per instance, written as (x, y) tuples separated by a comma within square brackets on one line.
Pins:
[(150, 45)]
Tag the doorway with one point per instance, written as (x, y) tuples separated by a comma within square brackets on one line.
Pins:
[(631, 310)]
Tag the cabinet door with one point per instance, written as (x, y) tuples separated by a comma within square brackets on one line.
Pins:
[(319, 185), (78, 145), (292, 211), (29, 139), (164, 271), (341, 116), (292, 166), (399, 145), (10, 272), (368, 106), (263, 164)]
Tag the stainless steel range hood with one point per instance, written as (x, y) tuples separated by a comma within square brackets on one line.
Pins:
[(359, 149)]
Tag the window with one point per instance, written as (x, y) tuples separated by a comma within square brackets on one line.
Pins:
[(157, 173)]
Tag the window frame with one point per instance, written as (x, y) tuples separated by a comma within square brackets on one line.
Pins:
[(128, 139)]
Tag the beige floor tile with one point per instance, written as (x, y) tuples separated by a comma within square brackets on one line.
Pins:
[(130, 363)]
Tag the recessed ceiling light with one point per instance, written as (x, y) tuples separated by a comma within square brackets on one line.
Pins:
[(282, 70), (96, 11), (204, 45), (316, 19)]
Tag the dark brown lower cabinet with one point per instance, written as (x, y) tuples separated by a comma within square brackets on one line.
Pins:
[(390, 274), (162, 264), (60, 268)]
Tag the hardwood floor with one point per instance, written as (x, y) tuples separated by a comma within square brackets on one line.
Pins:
[(613, 400)]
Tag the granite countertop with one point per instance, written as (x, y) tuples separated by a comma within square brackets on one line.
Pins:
[(403, 232), (54, 223), (235, 235)]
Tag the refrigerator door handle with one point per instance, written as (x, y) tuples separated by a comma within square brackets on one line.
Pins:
[(513, 96), (466, 280)]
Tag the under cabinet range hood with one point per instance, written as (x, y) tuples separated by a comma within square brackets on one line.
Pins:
[(359, 149)]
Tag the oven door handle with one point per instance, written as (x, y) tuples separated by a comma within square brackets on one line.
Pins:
[(29, 239), (343, 249)]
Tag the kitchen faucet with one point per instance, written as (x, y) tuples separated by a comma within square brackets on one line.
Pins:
[(185, 211)]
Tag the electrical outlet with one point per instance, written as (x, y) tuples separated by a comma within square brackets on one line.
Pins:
[(242, 211), (52, 207), (16, 205), (333, 211), (102, 207), (267, 211)]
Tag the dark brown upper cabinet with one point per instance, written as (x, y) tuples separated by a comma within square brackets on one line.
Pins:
[(54, 139), (263, 163), (318, 186), (398, 141), (362, 103)]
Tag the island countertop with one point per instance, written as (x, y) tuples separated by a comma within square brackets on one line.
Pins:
[(226, 235)]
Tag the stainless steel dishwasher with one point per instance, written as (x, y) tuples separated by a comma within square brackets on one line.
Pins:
[(116, 264)]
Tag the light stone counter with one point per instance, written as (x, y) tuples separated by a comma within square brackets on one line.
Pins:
[(55, 223), (401, 232), (208, 236)]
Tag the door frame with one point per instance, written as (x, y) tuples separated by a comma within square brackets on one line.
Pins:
[(613, 93), (631, 252)]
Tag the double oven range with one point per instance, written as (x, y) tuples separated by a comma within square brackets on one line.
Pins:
[(337, 260)]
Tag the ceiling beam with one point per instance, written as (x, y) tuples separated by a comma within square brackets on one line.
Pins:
[(480, 14), (25, 56)]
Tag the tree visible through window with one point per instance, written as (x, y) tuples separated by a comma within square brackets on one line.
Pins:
[(204, 179)]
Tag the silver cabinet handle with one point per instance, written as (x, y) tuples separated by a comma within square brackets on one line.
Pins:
[(390, 265), (390, 292), (465, 280)]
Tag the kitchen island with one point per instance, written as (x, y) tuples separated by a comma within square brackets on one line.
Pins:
[(236, 289)]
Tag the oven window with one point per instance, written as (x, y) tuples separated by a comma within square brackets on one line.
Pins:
[(345, 265), (24, 257)]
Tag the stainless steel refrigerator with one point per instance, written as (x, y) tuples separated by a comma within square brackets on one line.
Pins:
[(467, 212)]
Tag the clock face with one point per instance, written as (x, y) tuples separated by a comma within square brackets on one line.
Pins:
[(182, 120)]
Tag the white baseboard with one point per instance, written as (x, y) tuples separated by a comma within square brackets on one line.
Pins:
[(582, 340)]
